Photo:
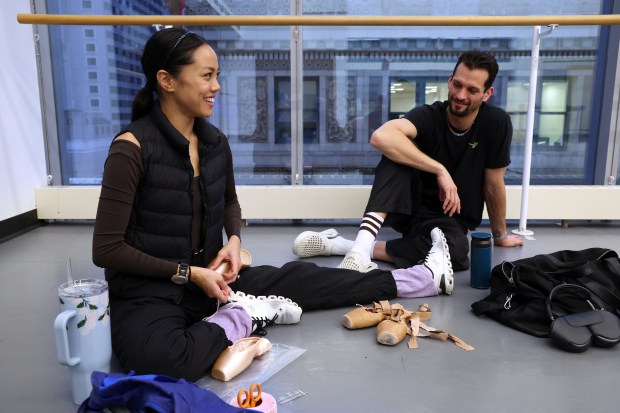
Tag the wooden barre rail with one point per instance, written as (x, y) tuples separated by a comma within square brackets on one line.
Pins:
[(124, 20)]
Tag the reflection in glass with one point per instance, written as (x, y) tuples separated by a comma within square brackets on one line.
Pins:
[(402, 97), (354, 79)]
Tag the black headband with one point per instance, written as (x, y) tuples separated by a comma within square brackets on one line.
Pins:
[(179, 40)]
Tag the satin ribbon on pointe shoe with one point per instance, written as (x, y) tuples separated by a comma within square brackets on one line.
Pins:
[(393, 329), (362, 317), (414, 331)]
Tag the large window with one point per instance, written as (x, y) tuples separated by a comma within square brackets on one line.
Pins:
[(354, 79), (283, 110)]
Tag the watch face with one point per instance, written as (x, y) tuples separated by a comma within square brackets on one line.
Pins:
[(179, 279), (182, 276)]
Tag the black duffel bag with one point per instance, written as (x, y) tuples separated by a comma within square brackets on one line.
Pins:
[(519, 289)]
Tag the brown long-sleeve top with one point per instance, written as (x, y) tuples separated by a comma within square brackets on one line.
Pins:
[(121, 177)]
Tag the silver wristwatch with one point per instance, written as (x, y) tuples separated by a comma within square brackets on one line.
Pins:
[(183, 275)]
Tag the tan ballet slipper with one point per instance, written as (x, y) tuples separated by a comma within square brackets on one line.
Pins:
[(390, 332), (393, 329), (246, 261), (236, 358), (362, 317)]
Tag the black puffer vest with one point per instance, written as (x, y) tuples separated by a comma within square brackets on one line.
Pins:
[(161, 220)]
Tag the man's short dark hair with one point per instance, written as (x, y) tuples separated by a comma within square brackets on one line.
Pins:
[(475, 59)]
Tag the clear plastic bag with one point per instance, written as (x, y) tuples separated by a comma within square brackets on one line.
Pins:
[(261, 369)]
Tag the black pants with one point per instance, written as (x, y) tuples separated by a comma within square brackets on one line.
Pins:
[(156, 336), (397, 191)]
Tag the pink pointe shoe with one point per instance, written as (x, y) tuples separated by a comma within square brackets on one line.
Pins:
[(246, 261), (236, 358)]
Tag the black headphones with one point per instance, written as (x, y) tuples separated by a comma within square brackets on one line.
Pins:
[(578, 331), (576, 290)]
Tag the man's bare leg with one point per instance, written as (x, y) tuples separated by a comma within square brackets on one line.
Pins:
[(379, 252)]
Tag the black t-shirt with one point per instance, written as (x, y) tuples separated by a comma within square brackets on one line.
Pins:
[(485, 145)]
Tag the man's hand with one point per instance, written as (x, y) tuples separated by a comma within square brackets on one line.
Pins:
[(510, 241), (448, 194)]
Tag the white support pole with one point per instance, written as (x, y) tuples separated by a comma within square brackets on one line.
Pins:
[(297, 92), (529, 128)]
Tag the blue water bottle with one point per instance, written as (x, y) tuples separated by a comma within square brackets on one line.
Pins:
[(481, 247)]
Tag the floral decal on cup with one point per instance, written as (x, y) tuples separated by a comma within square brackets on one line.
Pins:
[(90, 311)]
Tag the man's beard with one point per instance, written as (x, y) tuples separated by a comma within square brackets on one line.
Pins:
[(467, 109)]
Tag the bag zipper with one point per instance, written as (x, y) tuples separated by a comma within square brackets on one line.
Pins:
[(511, 282), (509, 277)]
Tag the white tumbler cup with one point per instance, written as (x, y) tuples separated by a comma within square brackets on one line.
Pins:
[(82, 332)]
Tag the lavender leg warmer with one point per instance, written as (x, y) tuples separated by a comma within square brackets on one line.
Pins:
[(234, 320), (414, 282)]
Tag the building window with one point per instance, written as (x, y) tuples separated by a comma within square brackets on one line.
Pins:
[(94, 103), (91, 61), (402, 96), (354, 80), (310, 110)]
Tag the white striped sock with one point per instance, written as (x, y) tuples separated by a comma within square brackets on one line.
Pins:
[(369, 228)]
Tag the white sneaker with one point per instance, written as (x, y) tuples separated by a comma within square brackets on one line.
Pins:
[(266, 311), (438, 262), (311, 244), (353, 261)]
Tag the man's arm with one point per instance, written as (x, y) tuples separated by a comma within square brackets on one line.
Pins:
[(394, 139), (495, 197)]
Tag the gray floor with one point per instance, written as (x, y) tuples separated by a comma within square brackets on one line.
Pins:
[(341, 370)]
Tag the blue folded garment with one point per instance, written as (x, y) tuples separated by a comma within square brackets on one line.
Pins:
[(152, 393)]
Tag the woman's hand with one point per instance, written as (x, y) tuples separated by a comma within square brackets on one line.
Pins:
[(212, 283), (231, 252)]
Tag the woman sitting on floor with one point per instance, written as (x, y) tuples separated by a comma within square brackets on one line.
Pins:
[(168, 192)]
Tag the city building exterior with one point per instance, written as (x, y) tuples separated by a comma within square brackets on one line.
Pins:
[(354, 78)]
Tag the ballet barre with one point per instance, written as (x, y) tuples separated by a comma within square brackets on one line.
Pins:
[(147, 20)]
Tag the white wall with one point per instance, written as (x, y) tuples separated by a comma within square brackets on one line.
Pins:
[(22, 154)]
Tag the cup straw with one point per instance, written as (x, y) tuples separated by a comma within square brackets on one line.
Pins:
[(69, 273)]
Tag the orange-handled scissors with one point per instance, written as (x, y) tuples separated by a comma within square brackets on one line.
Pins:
[(248, 399)]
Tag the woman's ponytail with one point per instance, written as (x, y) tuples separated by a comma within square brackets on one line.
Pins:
[(142, 103)]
